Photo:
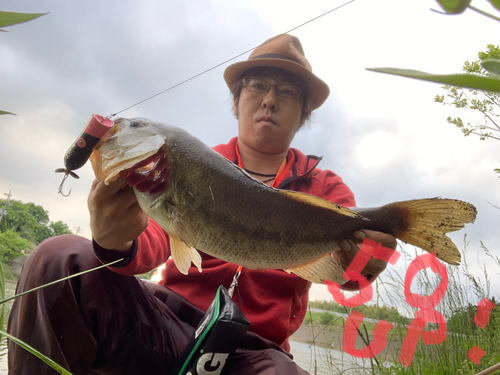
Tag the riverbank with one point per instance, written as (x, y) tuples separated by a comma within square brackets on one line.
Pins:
[(10, 273), (330, 336)]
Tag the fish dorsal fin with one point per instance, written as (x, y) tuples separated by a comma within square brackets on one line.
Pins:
[(320, 202), (325, 268), (183, 255)]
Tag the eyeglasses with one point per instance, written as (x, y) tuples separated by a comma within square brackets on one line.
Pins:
[(261, 86)]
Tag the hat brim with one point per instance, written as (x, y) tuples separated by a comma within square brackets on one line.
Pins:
[(318, 90)]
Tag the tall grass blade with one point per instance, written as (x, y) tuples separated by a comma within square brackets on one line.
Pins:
[(22, 344), (57, 281), (37, 354), (2, 296)]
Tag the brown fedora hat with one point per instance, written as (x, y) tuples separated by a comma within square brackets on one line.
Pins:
[(285, 52)]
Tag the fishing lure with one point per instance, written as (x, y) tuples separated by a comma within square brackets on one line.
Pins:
[(79, 152)]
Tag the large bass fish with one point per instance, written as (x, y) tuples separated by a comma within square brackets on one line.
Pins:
[(205, 202)]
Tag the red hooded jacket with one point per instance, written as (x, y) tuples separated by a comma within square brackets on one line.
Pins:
[(274, 301)]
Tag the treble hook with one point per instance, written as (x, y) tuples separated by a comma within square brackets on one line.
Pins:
[(66, 174)]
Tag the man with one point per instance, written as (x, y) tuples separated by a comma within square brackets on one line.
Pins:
[(103, 322)]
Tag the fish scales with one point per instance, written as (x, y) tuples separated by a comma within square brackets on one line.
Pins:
[(223, 215), (212, 205)]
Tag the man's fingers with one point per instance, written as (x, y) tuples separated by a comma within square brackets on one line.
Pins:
[(112, 189), (341, 258), (387, 240), (345, 245), (94, 184), (359, 235), (115, 197), (350, 248)]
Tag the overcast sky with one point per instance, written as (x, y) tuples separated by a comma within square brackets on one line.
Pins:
[(383, 135)]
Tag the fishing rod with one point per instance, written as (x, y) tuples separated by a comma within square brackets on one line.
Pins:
[(79, 152)]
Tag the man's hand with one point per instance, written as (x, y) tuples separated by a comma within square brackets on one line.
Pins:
[(115, 216), (350, 248)]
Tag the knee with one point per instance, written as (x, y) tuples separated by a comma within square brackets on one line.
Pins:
[(60, 254), (60, 247)]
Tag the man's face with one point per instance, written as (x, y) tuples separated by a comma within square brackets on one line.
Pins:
[(268, 122)]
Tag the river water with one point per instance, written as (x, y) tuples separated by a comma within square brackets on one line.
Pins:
[(316, 360), (323, 361)]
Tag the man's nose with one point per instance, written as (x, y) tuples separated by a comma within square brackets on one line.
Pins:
[(269, 100)]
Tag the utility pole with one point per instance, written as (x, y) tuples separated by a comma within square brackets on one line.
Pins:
[(3, 212)]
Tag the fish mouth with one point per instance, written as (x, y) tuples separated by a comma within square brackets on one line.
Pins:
[(149, 175), (135, 153)]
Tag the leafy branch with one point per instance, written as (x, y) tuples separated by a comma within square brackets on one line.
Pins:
[(459, 6), (481, 79), (472, 79), (484, 102), (11, 18)]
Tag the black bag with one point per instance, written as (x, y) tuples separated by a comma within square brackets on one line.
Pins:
[(215, 339)]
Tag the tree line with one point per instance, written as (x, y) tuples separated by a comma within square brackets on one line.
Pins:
[(24, 226), (391, 314)]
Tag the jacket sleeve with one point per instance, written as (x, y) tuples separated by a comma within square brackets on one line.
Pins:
[(150, 250)]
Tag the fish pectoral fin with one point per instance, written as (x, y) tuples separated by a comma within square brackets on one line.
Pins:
[(320, 202), (183, 255), (325, 268)]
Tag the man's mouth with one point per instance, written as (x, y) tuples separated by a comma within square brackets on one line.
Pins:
[(267, 119)]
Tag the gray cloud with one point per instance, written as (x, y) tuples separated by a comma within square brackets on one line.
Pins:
[(100, 57)]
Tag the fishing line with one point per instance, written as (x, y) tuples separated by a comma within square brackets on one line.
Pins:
[(80, 151), (226, 61)]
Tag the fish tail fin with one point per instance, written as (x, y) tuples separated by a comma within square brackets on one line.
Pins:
[(425, 223)]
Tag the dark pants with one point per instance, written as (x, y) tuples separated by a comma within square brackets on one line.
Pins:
[(105, 323)]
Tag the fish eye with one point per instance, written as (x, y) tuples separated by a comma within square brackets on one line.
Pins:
[(136, 124)]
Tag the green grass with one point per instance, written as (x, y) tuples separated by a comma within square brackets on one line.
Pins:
[(458, 306)]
